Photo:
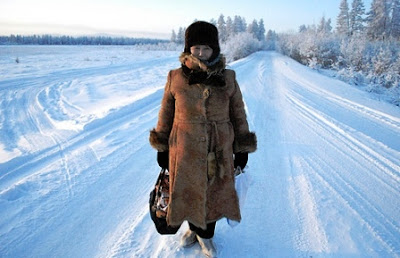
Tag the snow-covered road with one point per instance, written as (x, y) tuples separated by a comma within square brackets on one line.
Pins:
[(76, 167)]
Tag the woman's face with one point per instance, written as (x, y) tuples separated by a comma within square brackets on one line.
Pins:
[(202, 52)]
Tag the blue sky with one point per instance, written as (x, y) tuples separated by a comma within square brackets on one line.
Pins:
[(154, 17)]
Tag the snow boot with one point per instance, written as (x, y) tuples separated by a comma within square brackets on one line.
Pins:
[(188, 239), (207, 247)]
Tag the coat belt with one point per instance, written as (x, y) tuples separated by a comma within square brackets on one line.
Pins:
[(214, 136)]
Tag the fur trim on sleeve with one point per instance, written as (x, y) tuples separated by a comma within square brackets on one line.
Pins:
[(159, 141), (245, 143)]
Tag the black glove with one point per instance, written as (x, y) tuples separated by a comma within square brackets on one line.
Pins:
[(241, 159), (163, 159)]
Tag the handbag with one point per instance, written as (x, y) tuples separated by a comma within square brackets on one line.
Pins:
[(158, 204)]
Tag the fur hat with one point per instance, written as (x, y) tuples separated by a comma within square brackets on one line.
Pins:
[(202, 33)]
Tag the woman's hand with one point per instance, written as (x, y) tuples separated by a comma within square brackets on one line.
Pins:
[(241, 159), (163, 159)]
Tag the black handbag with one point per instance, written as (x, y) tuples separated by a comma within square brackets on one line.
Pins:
[(159, 198)]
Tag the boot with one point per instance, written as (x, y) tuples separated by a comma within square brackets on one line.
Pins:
[(188, 239), (208, 247)]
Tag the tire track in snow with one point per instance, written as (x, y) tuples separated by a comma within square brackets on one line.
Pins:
[(379, 224), (281, 211), (373, 157), (311, 86), (97, 185), (369, 214), (25, 166), (311, 236)]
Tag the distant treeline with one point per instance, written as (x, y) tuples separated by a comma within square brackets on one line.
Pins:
[(69, 40)]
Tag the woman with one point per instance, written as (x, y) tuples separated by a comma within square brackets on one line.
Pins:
[(201, 126)]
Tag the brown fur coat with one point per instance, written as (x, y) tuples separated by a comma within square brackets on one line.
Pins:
[(202, 125)]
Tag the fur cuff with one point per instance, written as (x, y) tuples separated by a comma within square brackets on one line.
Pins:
[(159, 141), (245, 143)]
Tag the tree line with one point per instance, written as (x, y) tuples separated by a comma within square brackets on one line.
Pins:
[(364, 48), (228, 28), (80, 40)]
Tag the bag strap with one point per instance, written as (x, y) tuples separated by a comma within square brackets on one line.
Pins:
[(160, 179)]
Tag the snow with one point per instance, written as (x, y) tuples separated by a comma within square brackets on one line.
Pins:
[(76, 168)]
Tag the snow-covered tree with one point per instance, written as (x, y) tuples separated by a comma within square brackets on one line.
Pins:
[(395, 21), (321, 25), (261, 30), (230, 30), (324, 26), (302, 28), (342, 21), (180, 37), (213, 21), (271, 40), (221, 25), (253, 29), (240, 46), (378, 19), (239, 24), (173, 36), (356, 17), (382, 61)]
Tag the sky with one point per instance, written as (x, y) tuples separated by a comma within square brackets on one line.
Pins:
[(154, 18)]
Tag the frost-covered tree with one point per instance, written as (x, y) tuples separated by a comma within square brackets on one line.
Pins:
[(321, 25), (342, 21), (328, 25), (253, 28), (239, 24), (353, 54), (221, 25), (378, 19), (213, 21), (271, 40), (180, 37), (261, 30), (324, 26), (382, 61), (240, 45), (173, 36), (230, 30), (395, 21), (356, 18), (302, 28)]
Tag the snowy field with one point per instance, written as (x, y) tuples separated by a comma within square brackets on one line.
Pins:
[(76, 167)]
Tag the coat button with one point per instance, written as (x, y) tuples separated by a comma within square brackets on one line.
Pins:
[(206, 93), (202, 139)]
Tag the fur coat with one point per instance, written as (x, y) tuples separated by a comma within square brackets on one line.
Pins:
[(202, 123)]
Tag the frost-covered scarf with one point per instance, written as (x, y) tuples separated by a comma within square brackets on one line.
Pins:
[(197, 71)]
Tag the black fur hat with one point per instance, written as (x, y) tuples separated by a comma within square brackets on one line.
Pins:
[(202, 33)]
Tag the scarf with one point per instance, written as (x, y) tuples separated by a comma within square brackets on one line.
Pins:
[(197, 71)]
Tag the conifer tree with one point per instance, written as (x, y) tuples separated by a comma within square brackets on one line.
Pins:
[(261, 30), (378, 19), (356, 17), (180, 37), (342, 23), (221, 25), (395, 21), (230, 31), (253, 28), (173, 36)]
